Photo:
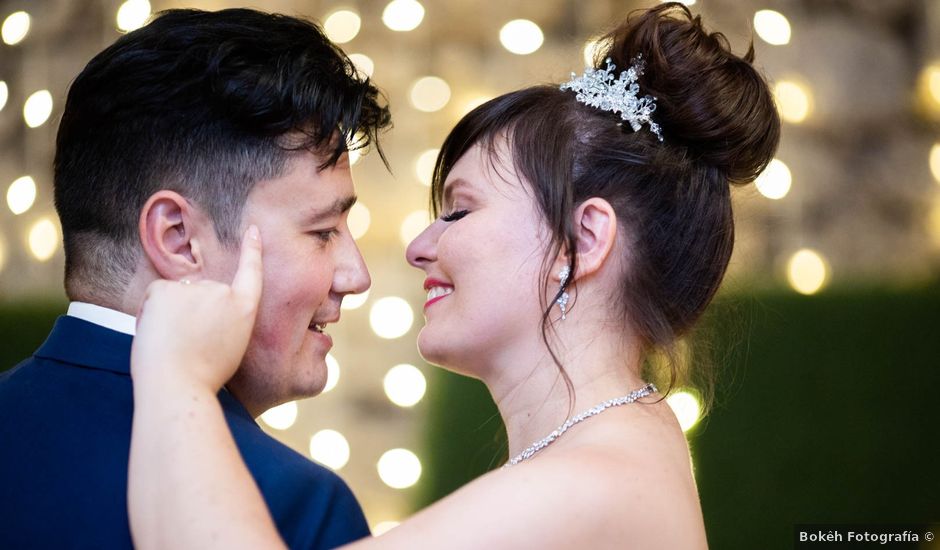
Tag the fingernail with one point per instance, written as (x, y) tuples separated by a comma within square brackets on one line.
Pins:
[(253, 232)]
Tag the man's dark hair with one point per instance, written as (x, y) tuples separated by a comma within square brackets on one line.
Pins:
[(205, 104)]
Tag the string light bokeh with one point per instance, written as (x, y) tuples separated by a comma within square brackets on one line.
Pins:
[(853, 193)]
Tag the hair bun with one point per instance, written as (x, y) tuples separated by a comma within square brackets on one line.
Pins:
[(709, 100)]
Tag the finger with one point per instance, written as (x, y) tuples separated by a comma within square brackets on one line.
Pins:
[(248, 279), (148, 294), (140, 311)]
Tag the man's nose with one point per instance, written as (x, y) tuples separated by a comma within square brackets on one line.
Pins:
[(352, 275)]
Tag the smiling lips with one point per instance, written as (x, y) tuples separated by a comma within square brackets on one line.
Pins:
[(318, 327), (437, 291), (325, 339)]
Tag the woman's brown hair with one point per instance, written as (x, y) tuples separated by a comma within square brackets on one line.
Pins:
[(720, 126)]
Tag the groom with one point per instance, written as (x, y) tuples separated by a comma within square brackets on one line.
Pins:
[(173, 140)]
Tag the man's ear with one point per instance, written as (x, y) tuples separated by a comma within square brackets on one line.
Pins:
[(171, 230), (595, 230)]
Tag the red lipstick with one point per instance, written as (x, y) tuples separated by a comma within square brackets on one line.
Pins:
[(430, 283)]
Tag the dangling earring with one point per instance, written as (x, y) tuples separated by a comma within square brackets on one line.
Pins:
[(562, 300)]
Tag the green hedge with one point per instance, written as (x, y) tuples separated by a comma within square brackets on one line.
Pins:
[(24, 327), (826, 411)]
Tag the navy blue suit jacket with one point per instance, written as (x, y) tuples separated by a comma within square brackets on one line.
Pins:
[(65, 427)]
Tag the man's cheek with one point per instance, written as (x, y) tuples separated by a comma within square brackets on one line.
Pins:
[(273, 332)]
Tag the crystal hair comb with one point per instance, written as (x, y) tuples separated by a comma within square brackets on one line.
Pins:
[(598, 88)]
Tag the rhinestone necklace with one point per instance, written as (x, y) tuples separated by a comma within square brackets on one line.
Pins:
[(550, 438)]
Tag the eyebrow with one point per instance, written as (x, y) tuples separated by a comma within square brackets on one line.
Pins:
[(338, 207)]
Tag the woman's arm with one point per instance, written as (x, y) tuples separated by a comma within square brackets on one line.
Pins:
[(188, 486), (586, 498)]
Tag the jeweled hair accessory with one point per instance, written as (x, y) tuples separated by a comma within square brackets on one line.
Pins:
[(598, 88)]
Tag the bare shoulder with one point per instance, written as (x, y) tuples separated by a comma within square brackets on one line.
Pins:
[(638, 467), (628, 497), (628, 479), (587, 495)]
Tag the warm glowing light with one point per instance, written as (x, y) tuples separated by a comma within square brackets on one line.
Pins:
[(424, 166), (933, 223), (282, 416), (413, 225), (774, 182), (404, 385), (133, 15), (931, 78), (403, 15), (521, 36), (363, 63), (807, 271), (590, 50), (332, 373), (935, 161), (430, 94), (330, 448), (354, 301), (21, 195), (399, 468), (358, 220), (793, 101), (391, 317), (928, 90), (4, 94), (341, 26), (772, 26), (37, 108), (383, 527), (43, 239), (687, 408), (15, 27)]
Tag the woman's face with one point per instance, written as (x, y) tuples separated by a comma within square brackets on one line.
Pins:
[(483, 259)]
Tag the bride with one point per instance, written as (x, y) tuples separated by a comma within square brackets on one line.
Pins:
[(580, 229)]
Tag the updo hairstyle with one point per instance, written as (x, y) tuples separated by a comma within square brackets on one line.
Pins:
[(720, 127)]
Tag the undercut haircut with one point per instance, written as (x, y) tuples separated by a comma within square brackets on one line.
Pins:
[(205, 104)]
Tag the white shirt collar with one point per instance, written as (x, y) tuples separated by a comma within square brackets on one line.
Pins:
[(105, 317)]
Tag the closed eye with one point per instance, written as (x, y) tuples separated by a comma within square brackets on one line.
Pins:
[(454, 216), (326, 236)]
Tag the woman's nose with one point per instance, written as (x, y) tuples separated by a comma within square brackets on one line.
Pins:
[(423, 249)]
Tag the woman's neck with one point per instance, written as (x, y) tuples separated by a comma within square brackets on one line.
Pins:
[(531, 393)]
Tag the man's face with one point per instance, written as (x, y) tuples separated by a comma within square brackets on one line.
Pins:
[(310, 263)]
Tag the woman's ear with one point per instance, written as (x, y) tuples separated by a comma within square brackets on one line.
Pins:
[(595, 231), (170, 235)]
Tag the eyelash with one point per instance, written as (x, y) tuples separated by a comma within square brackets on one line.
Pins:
[(454, 216), (326, 236)]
